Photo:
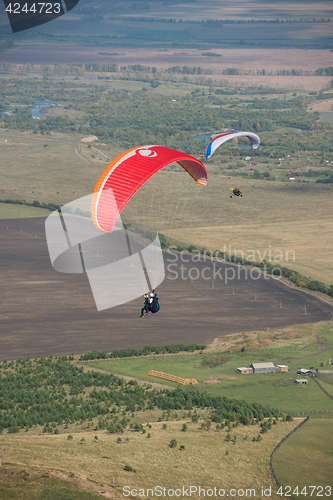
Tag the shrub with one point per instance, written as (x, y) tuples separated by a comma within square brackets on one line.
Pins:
[(69, 437), (129, 468), (173, 443)]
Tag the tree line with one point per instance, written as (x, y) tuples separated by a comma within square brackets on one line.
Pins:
[(37, 204), (145, 351), (77, 69), (53, 391)]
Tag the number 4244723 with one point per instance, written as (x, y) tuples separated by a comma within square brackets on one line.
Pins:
[(307, 491), (35, 8)]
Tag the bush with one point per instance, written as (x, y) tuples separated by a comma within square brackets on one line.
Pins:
[(173, 443), (129, 468)]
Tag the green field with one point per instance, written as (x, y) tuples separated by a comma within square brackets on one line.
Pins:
[(275, 390), (10, 211), (306, 459)]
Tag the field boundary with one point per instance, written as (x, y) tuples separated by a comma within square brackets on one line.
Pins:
[(322, 388), (278, 446)]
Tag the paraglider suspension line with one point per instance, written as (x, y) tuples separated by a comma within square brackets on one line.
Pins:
[(64, 227), (141, 260), (68, 240), (81, 257)]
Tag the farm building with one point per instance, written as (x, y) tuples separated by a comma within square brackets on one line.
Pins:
[(301, 381), (304, 372), (244, 371), (268, 367), (282, 368), (263, 367)]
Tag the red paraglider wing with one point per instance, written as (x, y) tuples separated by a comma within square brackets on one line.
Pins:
[(128, 172)]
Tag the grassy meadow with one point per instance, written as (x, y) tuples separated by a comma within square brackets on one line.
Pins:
[(306, 458), (302, 245), (31, 484), (10, 211), (207, 459)]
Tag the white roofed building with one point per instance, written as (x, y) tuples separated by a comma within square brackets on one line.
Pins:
[(268, 367)]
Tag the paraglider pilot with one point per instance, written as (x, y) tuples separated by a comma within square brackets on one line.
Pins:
[(236, 192), (151, 304)]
